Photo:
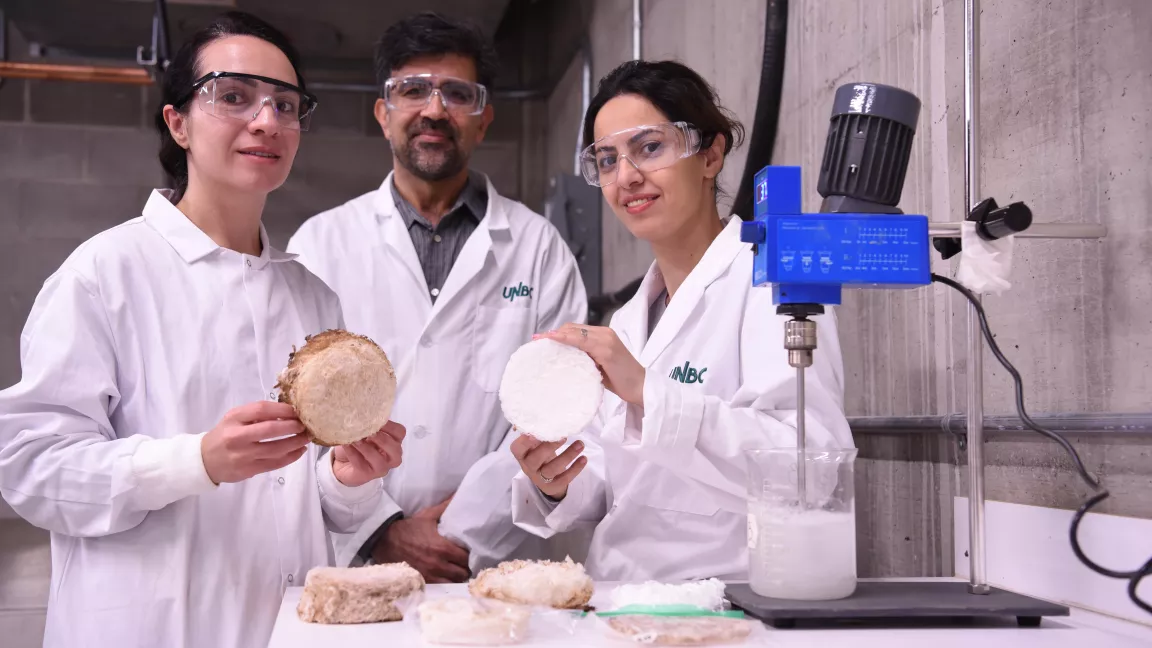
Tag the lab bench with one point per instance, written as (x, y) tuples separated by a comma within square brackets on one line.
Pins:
[(1081, 629)]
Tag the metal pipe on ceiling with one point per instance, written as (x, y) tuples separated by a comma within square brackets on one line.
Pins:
[(84, 73), (163, 51), (3, 41), (517, 94), (637, 29), (140, 76), (585, 99)]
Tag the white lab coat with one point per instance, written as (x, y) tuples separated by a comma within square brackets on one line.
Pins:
[(665, 484), (137, 346), (450, 355)]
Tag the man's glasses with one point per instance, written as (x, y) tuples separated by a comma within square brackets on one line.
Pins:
[(415, 91)]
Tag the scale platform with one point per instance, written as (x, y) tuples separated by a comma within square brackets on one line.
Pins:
[(877, 601)]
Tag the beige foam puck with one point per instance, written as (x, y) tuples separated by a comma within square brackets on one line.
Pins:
[(341, 385), (340, 595)]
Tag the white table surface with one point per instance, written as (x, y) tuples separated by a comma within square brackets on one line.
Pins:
[(1080, 630)]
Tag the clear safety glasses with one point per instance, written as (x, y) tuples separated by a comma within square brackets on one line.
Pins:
[(243, 96), (647, 148), (415, 91)]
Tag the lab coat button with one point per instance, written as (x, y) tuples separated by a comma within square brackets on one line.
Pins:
[(420, 432), (426, 343), (435, 292), (437, 238), (249, 262), (289, 579), (280, 481)]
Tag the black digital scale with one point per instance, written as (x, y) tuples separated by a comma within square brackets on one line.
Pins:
[(945, 602)]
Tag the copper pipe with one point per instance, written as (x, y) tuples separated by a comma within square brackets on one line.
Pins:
[(87, 73)]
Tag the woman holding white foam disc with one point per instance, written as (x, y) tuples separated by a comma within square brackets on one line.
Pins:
[(694, 363), (549, 392)]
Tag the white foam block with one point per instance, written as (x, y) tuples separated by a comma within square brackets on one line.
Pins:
[(550, 390)]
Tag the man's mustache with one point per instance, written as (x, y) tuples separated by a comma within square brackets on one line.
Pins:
[(428, 126)]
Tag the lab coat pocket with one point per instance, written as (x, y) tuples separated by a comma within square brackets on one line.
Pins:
[(498, 331)]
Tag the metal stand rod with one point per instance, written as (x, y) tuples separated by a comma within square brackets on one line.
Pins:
[(1035, 230), (978, 561), (800, 341), (801, 442)]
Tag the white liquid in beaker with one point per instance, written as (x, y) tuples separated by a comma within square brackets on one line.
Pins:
[(801, 555)]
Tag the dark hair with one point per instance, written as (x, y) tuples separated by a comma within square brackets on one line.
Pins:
[(182, 72), (677, 91), (431, 34)]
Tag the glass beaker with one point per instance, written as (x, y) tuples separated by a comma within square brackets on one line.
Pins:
[(802, 550)]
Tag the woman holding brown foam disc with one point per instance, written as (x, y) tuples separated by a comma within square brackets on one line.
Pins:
[(181, 499)]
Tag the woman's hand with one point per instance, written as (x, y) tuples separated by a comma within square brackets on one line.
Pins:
[(623, 375), (237, 448), (358, 463), (551, 473)]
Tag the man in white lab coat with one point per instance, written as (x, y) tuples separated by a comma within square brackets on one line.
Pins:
[(449, 278)]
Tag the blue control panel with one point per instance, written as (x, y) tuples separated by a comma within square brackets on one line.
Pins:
[(808, 258)]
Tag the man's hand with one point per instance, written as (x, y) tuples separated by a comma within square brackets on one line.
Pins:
[(358, 463), (417, 541)]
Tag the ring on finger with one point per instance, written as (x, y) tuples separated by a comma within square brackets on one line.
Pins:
[(546, 480), (584, 333)]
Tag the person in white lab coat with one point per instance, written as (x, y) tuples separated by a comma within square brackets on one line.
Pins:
[(144, 434), (450, 278), (694, 365)]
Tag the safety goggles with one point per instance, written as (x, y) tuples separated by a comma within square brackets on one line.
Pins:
[(647, 148), (415, 91), (241, 96)]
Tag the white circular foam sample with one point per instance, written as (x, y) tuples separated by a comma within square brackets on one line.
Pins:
[(550, 390)]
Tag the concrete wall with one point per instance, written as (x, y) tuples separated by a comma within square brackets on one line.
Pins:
[(1066, 112)]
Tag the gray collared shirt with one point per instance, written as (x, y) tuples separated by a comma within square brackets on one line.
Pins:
[(437, 247), (656, 310)]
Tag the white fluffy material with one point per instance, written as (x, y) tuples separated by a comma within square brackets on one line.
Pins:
[(550, 390), (707, 594)]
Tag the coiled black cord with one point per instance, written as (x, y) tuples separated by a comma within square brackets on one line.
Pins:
[(1133, 577)]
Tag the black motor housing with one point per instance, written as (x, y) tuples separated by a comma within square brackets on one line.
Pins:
[(868, 148)]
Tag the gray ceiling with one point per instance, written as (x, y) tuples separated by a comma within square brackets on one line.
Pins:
[(331, 34)]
